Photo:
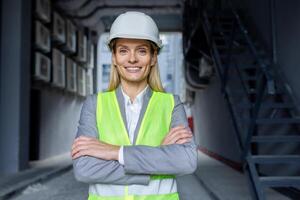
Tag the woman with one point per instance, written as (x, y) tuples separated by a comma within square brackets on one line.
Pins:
[(133, 139)]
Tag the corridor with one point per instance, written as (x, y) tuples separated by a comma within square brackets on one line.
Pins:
[(232, 66)]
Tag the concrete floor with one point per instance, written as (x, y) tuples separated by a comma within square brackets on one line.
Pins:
[(226, 183), (212, 181), (62, 187), (65, 187)]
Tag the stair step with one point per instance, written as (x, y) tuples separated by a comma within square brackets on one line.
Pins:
[(227, 32), (227, 17), (226, 26), (246, 53), (277, 105), (249, 78), (223, 14), (222, 17), (275, 139), (272, 159), (278, 121), (226, 23), (251, 92), (245, 67), (280, 181), (239, 53), (240, 91), (225, 47), (268, 105), (219, 38)]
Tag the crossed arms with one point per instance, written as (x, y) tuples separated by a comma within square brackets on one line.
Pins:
[(97, 162)]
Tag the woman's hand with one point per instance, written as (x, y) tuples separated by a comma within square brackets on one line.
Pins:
[(88, 146), (178, 135)]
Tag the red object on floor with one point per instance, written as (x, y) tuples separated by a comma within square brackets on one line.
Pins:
[(233, 164), (191, 123)]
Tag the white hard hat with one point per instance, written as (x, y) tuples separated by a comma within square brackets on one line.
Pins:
[(135, 25)]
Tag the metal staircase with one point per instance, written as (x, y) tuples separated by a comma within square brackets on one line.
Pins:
[(265, 115)]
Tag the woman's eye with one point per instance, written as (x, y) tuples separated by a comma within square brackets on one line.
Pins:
[(142, 51), (122, 51)]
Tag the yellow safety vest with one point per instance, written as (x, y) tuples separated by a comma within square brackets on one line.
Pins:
[(154, 127)]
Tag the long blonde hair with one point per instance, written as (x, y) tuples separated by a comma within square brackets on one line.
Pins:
[(154, 80)]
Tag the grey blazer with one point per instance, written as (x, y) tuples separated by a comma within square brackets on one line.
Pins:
[(140, 161)]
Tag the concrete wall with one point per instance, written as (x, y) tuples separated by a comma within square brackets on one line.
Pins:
[(59, 115), (14, 84), (213, 126), (58, 112)]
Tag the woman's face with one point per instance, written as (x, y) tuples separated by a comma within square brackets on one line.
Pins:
[(133, 59)]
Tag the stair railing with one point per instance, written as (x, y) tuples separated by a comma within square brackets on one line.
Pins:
[(265, 80)]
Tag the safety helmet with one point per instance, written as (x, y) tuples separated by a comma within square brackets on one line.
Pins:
[(135, 25)]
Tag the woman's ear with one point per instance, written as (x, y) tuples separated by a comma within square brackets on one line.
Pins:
[(113, 58), (153, 59)]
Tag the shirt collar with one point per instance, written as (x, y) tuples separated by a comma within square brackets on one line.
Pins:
[(138, 99)]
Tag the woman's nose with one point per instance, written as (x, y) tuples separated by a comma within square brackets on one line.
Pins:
[(132, 58)]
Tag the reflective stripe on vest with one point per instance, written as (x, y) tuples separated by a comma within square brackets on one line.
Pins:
[(154, 127), (158, 187)]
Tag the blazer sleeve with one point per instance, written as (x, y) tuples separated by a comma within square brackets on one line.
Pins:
[(93, 170), (176, 159)]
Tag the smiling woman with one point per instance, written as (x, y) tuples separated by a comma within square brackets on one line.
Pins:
[(137, 57), (133, 139), (133, 61)]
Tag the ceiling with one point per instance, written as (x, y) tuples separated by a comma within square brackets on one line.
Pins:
[(98, 15)]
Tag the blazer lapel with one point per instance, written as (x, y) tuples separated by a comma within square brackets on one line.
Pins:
[(146, 99), (121, 102)]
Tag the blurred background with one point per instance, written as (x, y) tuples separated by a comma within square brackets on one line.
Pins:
[(234, 64)]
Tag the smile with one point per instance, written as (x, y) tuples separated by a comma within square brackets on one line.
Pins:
[(133, 69)]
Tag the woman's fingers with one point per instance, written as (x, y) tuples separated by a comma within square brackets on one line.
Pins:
[(176, 134), (82, 152), (175, 131), (85, 146), (81, 144), (180, 137), (177, 128), (77, 148), (84, 138), (95, 149), (183, 141), (180, 134)]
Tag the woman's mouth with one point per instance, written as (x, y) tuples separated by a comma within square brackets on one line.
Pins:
[(134, 69)]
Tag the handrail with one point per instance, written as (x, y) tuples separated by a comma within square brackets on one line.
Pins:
[(223, 43), (262, 65), (216, 59), (265, 82)]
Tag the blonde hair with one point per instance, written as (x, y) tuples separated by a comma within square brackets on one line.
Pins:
[(153, 81)]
